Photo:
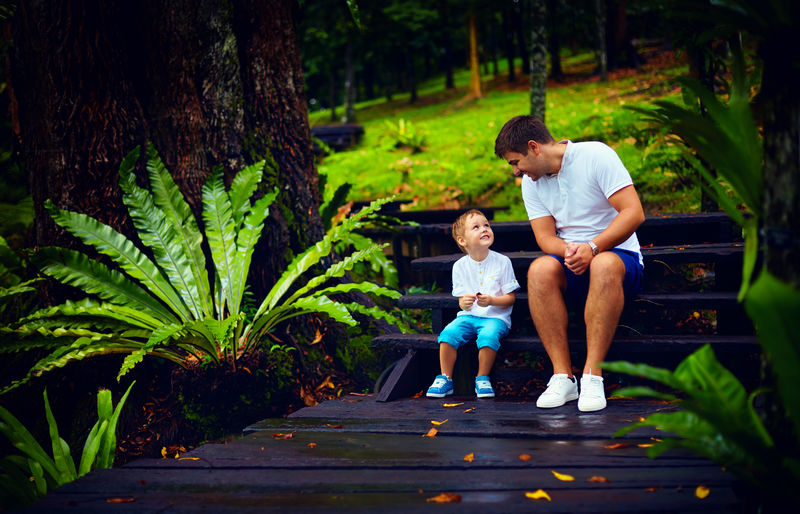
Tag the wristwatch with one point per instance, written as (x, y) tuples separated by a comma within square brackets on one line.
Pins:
[(595, 249)]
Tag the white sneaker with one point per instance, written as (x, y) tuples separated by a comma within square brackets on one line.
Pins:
[(593, 395), (560, 390)]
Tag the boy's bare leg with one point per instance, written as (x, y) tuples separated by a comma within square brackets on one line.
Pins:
[(447, 359), (546, 283), (486, 358), (604, 305)]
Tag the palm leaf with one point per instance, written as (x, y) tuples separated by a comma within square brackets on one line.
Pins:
[(122, 251), (172, 203), (78, 270), (220, 230), (157, 233)]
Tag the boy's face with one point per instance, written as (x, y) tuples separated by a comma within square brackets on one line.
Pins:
[(477, 233)]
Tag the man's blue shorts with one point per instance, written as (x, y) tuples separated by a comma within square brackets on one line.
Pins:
[(578, 285), (487, 331)]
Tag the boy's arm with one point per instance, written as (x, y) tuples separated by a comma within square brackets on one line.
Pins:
[(506, 300), (466, 301)]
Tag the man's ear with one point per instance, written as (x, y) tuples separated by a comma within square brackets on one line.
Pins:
[(534, 147)]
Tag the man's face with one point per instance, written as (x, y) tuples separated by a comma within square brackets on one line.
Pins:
[(530, 164), (477, 233)]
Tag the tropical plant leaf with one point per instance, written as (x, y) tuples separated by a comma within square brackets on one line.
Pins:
[(92, 446), (108, 446), (662, 375), (243, 186), (170, 199), (21, 438), (78, 270), (122, 251), (361, 287), (158, 337), (61, 453), (377, 312), (157, 233), (119, 316), (304, 305), (221, 233), (246, 239)]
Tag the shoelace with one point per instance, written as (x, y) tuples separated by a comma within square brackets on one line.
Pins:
[(483, 384), (439, 382)]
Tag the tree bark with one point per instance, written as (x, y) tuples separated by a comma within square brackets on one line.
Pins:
[(207, 82), (779, 86), (538, 53), (509, 40), (602, 47), (474, 66), (517, 22), (349, 84), (554, 40)]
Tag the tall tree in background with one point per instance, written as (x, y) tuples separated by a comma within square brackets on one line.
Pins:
[(474, 65), (538, 53), (209, 83), (554, 13), (602, 48)]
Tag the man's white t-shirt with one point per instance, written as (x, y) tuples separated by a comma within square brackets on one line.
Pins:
[(577, 196), (494, 276)]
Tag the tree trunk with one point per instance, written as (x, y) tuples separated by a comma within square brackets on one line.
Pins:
[(519, 29), (349, 85), (412, 77), (602, 52), (538, 52), (475, 73), (779, 86), (509, 37), (332, 100), (554, 39), (207, 82)]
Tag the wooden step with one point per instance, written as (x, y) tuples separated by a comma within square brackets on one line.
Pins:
[(639, 344), (674, 254), (700, 300)]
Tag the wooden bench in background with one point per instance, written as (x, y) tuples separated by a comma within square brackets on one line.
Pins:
[(338, 137), (692, 273)]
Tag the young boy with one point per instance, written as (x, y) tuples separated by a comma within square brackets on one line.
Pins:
[(484, 282)]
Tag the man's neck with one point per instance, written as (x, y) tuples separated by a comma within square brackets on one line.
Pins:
[(555, 154)]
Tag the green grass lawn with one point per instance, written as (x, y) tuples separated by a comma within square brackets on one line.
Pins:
[(457, 166)]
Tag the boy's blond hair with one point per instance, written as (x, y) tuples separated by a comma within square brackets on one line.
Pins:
[(460, 224)]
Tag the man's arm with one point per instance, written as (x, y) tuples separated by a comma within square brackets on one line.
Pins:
[(544, 230), (631, 215)]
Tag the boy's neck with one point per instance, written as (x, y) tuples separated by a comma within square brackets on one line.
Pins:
[(478, 254)]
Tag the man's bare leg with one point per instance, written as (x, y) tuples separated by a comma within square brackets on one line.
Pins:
[(546, 283), (604, 305)]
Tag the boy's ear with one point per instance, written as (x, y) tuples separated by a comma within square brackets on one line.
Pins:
[(462, 243)]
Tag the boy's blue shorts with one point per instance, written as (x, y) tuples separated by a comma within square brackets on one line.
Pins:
[(487, 331), (578, 285)]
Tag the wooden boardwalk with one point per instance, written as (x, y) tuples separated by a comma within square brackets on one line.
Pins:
[(358, 455)]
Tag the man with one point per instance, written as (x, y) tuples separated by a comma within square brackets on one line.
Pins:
[(584, 212)]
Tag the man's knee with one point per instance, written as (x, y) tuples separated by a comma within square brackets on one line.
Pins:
[(607, 268), (545, 272)]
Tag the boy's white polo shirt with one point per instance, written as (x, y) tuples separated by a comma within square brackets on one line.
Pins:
[(493, 276), (577, 196)]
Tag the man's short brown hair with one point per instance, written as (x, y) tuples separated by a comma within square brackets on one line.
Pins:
[(516, 133), (460, 224)]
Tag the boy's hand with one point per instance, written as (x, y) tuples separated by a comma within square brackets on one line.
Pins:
[(484, 300), (466, 301)]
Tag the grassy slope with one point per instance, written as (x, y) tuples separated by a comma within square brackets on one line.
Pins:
[(458, 167)]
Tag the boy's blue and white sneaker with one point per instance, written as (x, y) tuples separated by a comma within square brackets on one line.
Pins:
[(483, 387), (440, 388)]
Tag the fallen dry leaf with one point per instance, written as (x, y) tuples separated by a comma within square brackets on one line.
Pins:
[(525, 457), (325, 383), (129, 499), (358, 394), (470, 409), (562, 476), (538, 495), (645, 445), (616, 446), (335, 426), (312, 445), (431, 433), (283, 436), (418, 395), (317, 338), (452, 404), (702, 491), (652, 489), (437, 423), (469, 457), (164, 452), (446, 498), (189, 458), (598, 478)]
